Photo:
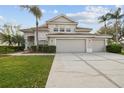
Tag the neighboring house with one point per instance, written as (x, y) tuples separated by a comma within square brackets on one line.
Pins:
[(64, 33)]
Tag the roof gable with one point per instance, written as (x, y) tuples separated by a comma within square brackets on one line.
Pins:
[(62, 18)]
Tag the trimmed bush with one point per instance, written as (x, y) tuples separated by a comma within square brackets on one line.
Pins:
[(10, 49), (114, 48), (20, 48), (44, 49), (32, 48), (52, 49)]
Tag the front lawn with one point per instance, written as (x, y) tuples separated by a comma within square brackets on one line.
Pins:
[(1, 55), (24, 71)]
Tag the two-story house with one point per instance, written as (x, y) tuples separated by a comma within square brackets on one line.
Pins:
[(64, 33)]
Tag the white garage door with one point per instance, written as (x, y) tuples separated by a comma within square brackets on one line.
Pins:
[(98, 45), (70, 45)]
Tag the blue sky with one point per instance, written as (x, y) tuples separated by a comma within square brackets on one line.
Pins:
[(85, 15)]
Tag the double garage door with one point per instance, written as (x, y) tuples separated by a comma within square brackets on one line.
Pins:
[(78, 45), (70, 45)]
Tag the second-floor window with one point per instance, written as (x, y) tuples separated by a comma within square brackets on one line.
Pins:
[(55, 29), (62, 30), (68, 30)]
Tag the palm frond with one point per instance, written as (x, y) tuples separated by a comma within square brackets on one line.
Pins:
[(102, 18), (121, 16), (33, 9)]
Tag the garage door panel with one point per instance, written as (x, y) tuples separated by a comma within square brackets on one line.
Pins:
[(98, 45), (70, 45)]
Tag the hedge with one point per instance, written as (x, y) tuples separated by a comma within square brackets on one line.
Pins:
[(10, 49), (114, 48), (44, 49)]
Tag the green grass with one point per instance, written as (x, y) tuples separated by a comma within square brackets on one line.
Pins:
[(1, 55), (24, 71)]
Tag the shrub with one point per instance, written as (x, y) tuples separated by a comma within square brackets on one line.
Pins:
[(10, 49), (44, 49), (3, 50), (52, 49), (32, 48), (20, 48), (114, 48)]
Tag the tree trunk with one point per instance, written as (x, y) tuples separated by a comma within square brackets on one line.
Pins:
[(116, 28), (9, 42), (105, 28), (37, 42), (18, 44)]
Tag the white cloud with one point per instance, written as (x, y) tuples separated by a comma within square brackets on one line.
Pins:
[(13, 22), (89, 15), (118, 6), (1, 18), (43, 10), (8, 21), (55, 11)]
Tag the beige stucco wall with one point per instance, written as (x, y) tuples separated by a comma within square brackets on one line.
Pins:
[(52, 26), (61, 22), (28, 34), (62, 19), (42, 35)]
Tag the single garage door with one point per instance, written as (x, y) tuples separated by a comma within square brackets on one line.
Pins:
[(98, 45), (70, 45)]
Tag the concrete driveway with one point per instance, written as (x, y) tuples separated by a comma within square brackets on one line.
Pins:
[(100, 70)]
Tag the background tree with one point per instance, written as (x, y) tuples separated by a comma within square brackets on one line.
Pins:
[(6, 34), (110, 31), (11, 35), (116, 16), (18, 38), (103, 19), (35, 10), (121, 31)]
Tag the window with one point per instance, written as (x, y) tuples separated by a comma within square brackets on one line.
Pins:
[(62, 30), (43, 42), (55, 29), (68, 30)]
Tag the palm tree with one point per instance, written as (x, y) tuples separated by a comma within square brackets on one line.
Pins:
[(6, 35), (104, 19), (35, 10), (116, 16), (11, 35), (18, 38)]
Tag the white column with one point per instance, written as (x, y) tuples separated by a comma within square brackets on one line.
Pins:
[(89, 45), (26, 43), (106, 43), (35, 40)]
